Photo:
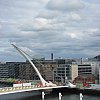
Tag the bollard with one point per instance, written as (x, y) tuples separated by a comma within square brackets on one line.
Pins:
[(43, 94), (81, 96), (60, 96)]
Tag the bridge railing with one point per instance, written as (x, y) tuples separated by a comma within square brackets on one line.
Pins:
[(9, 89)]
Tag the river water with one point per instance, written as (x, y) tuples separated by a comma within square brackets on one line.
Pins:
[(65, 96)]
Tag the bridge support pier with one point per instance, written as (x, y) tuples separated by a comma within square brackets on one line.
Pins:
[(60, 96), (43, 94)]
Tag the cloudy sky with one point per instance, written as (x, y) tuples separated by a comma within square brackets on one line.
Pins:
[(68, 28)]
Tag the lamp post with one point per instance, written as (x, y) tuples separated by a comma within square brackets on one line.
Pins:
[(65, 75), (66, 79), (62, 80)]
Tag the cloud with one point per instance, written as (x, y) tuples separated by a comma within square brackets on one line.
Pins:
[(65, 5), (75, 17), (48, 14), (93, 31), (68, 28), (36, 24), (42, 24), (0, 26)]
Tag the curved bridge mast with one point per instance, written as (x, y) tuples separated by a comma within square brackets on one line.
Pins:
[(38, 73)]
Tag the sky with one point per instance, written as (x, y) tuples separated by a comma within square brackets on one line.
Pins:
[(67, 28)]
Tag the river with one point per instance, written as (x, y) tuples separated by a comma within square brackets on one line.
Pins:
[(65, 96)]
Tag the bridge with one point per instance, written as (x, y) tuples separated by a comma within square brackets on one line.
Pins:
[(9, 90), (45, 85)]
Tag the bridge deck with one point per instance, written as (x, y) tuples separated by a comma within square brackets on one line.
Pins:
[(9, 90)]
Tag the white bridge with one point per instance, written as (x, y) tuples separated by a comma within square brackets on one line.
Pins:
[(10, 90), (25, 55), (45, 85)]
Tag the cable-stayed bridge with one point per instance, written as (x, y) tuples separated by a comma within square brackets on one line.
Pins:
[(9, 90), (32, 88)]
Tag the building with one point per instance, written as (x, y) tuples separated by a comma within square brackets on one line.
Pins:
[(10, 70), (65, 72), (85, 80), (46, 68), (95, 65), (84, 69), (26, 71), (4, 71), (13, 68), (16, 70)]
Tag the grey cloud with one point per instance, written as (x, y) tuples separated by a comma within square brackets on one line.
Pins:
[(65, 5), (92, 1), (46, 28), (42, 24), (48, 14)]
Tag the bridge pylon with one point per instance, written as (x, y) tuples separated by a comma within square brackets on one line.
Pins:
[(26, 56)]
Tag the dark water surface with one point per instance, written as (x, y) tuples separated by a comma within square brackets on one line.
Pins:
[(65, 96)]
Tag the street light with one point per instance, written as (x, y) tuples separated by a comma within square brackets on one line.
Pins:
[(62, 80), (66, 79)]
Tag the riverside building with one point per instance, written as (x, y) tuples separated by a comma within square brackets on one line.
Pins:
[(65, 72), (4, 71)]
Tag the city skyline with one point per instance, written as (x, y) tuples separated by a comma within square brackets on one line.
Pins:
[(67, 28)]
